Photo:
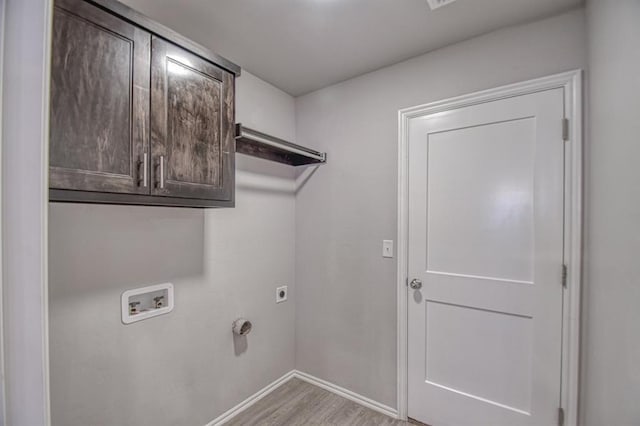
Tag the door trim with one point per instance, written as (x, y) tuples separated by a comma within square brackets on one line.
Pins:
[(571, 83)]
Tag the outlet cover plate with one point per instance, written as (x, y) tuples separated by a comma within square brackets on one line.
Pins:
[(387, 248), (279, 296)]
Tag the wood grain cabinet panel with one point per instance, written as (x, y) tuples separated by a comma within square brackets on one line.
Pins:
[(99, 101), (192, 125), (137, 118)]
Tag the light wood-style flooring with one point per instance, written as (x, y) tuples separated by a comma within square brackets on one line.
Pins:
[(298, 403)]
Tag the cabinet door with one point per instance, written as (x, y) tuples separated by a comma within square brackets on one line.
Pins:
[(99, 101), (192, 122)]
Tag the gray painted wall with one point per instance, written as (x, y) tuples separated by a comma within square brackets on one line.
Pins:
[(345, 288), (611, 371), (24, 137), (261, 106), (184, 368)]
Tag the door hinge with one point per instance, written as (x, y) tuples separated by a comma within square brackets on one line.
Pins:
[(565, 129), (564, 275), (560, 416)]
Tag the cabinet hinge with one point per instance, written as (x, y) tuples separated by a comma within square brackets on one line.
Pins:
[(565, 129), (564, 275), (560, 416)]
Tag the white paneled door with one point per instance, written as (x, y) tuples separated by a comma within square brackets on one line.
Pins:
[(486, 196)]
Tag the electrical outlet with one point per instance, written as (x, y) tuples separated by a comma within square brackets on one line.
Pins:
[(281, 294)]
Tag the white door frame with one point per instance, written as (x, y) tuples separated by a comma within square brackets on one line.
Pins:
[(571, 82)]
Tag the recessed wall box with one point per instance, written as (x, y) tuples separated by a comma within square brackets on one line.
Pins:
[(146, 302)]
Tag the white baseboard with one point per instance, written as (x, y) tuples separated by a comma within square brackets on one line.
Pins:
[(229, 414), (345, 393)]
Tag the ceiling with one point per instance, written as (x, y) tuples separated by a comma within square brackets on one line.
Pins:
[(304, 45)]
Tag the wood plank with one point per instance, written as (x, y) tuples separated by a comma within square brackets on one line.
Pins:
[(91, 197), (298, 403)]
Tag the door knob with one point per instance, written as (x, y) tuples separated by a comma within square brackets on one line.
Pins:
[(415, 284)]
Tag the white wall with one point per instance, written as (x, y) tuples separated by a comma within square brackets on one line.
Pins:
[(184, 368), (263, 107), (346, 290), (25, 87), (225, 263), (3, 419), (611, 367)]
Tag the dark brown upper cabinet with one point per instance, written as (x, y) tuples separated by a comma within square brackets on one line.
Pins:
[(139, 114), (99, 101), (192, 125)]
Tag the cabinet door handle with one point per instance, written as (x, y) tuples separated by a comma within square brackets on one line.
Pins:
[(142, 174), (162, 172), (161, 165), (145, 169)]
